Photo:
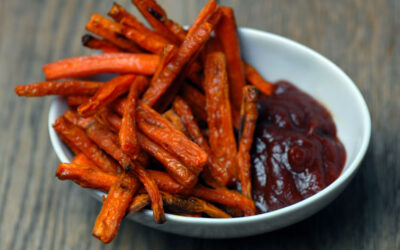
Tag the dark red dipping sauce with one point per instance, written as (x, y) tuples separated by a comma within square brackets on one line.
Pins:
[(296, 152)]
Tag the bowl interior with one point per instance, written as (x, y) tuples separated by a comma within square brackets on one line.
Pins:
[(278, 58)]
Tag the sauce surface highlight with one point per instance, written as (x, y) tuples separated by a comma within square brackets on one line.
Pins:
[(296, 152)]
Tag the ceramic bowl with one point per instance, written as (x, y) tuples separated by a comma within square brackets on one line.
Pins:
[(276, 58)]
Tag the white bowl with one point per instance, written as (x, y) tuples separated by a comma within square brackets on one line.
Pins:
[(276, 58)]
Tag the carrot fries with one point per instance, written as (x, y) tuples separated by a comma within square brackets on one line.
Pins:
[(66, 88), (257, 80)]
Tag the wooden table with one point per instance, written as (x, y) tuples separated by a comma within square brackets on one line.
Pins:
[(39, 212)]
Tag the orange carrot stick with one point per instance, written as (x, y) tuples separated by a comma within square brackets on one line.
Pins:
[(196, 100), (161, 131), (115, 207), (221, 137), (145, 40), (110, 31), (136, 24), (138, 203), (76, 100), (226, 31), (165, 182), (249, 114), (127, 133), (70, 87), (208, 9), (80, 140), (186, 51), (86, 176), (143, 64), (257, 80), (108, 118), (108, 93), (92, 42), (81, 159), (174, 119)]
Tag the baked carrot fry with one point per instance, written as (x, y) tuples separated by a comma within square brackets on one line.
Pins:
[(161, 131), (257, 80), (117, 12), (138, 203), (155, 16), (108, 93), (186, 116), (80, 140), (110, 31), (249, 114), (76, 100), (136, 24), (106, 117), (221, 137), (208, 9), (226, 31), (92, 42), (174, 167), (127, 133), (174, 119), (86, 176), (115, 207), (81, 159), (165, 182), (143, 64), (145, 40), (196, 100), (225, 197), (186, 52), (175, 28), (70, 145), (70, 87)]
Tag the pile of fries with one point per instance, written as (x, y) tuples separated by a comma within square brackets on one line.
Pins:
[(162, 132)]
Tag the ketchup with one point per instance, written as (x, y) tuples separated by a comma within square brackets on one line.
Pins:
[(296, 152)]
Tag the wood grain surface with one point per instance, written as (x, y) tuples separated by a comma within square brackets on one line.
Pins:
[(39, 212)]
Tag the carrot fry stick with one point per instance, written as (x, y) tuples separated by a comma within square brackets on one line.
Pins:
[(108, 93), (81, 159), (175, 28), (115, 207), (108, 118), (161, 131), (155, 16), (249, 114), (143, 64), (174, 119), (145, 40), (137, 25), (165, 182), (225, 197), (196, 100), (226, 31), (221, 137), (138, 203), (186, 116), (71, 87), (174, 167), (76, 100), (186, 51), (117, 12), (92, 42), (127, 133), (69, 144), (203, 15), (257, 80), (110, 31), (86, 176), (80, 140)]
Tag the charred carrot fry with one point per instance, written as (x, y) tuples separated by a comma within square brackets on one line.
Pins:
[(203, 15), (80, 140), (108, 93), (225, 197), (81, 159), (257, 80), (127, 133), (143, 64), (138, 203), (92, 42), (174, 167), (117, 12), (165, 182), (177, 29), (249, 114), (115, 207), (110, 31), (174, 119), (186, 52), (137, 25), (221, 137), (86, 176), (76, 100), (196, 100), (145, 40), (226, 31), (161, 131), (71, 87), (186, 116), (156, 16), (108, 118)]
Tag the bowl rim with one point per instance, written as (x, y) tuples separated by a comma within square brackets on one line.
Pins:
[(345, 174)]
